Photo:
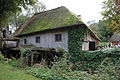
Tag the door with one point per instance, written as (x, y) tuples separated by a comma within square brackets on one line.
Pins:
[(92, 45)]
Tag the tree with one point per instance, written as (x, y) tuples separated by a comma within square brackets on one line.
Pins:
[(20, 17), (16, 21), (101, 30), (9, 7), (111, 14), (104, 31), (36, 8)]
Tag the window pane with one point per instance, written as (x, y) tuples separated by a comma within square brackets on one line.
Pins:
[(58, 37), (38, 39), (25, 41)]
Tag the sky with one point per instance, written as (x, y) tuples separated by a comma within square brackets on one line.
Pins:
[(88, 9)]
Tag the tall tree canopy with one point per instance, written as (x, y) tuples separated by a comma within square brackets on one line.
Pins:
[(9, 7), (111, 14), (20, 17), (36, 8), (102, 30)]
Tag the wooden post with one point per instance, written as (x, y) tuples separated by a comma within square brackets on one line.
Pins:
[(32, 58)]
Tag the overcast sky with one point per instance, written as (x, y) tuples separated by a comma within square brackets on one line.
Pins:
[(88, 9)]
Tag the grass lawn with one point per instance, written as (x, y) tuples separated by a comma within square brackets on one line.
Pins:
[(7, 72)]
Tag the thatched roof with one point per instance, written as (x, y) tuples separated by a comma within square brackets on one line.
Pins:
[(51, 19), (115, 37)]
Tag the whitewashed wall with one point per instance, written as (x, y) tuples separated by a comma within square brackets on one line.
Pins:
[(47, 40)]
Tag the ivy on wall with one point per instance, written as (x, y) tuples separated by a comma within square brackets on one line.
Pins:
[(76, 37), (87, 60)]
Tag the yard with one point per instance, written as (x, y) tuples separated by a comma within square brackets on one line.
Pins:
[(7, 72)]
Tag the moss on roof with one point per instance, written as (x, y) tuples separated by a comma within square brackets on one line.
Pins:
[(51, 19)]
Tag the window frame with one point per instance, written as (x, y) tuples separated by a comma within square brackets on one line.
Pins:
[(58, 37), (25, 41), (37, 39)]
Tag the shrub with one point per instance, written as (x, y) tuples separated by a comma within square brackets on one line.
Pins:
[(1, 57), (12, 61), (108, 69), (61, 71), (90, 60), (24, 59), (104, 64), (25, 52), (43, 73)]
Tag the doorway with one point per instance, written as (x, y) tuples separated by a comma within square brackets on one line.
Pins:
[(92, 45)]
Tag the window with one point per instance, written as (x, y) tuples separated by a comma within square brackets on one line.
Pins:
[(38, 39), (25, 41), (58, 37)]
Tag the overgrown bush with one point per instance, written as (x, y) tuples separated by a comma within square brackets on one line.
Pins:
[(25, 57), (87, 65), (90, 60), (109, 69), (61, 70), (12, 61), (1, 57)]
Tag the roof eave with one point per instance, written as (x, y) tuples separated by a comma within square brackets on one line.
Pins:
[(19, 35)]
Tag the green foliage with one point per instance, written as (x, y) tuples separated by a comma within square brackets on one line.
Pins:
[(20, 19), (10, 7), (49, 74), (12, 62), (43, 73), (8, 72), (25, 52), (1, 57), (36, 8), (90, 60), (25, 56), (109, 69), (76, 37), (102, 30), (61, 64), (62, 70), (59, 71), (103, 45), (95, 28), (111, 14)]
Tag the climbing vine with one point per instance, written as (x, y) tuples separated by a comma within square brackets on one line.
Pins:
[(76, 37)]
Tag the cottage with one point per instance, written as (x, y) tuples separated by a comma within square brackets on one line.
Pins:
[(53, 29), (115, 39)]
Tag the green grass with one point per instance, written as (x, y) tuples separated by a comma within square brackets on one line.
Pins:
[(7, 72)]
